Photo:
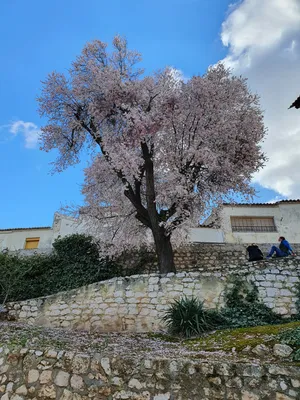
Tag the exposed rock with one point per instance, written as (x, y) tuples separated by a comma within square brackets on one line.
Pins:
[(261, 350), (135, 384), (249, 396), (80, 364), (165, 396), (295, 383), (281, 396), (16, 397), (67, 395), (246, 350), (46, 377), (22, 390), (33, 375), (282, 350), (77, 382), (62, 379), (105, 363), (47, 392)]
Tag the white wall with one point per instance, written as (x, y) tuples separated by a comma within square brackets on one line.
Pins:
[(15, 239), (206, 235), (286, 217), (289, 224), (63, 226)]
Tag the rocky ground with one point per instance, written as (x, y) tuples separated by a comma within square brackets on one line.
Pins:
[(244, 344)]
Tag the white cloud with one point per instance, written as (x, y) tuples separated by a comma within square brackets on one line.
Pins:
[(29, 130), (276, 199), (263, 38), (178, 75)]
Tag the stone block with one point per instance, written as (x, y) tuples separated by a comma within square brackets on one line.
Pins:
[(285, 292), (46, 377), (22, 390), (261, 350), (105, 364), (33, 376), (47, 392), (249, 396), (254, 370), (281, 396), (80, 364), (282, 350), (162, 396), (295, 383), (16, 397), (271, 292), (67, 395), (77, 382), (62, 379), (135, 384)]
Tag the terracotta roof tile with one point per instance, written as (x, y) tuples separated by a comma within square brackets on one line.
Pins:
[(261, 204), (25, 229)]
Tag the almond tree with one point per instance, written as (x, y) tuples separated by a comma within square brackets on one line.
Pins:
[(163, 151)]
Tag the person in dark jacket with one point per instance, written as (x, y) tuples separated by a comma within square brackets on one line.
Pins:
[(255, 254), (284, 249)]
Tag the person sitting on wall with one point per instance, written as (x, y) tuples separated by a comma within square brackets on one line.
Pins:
[(255, 254), (284, 249)]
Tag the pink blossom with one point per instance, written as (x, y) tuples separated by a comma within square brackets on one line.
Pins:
[(164, 151)]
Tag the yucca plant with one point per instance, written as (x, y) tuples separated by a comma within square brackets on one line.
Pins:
[(186, 317)]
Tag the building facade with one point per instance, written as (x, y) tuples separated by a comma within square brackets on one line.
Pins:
[(238, 223)]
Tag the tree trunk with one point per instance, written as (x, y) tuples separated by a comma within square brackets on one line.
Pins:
[(162, 242), (164, 253)]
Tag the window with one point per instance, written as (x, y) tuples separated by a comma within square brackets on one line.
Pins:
[(253, 224), (32, 243)]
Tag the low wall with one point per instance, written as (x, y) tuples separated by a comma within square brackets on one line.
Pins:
[(137, 303), (39, 374), (212, 256), (204, 256)]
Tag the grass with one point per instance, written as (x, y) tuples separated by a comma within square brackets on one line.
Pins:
[(239, 338)]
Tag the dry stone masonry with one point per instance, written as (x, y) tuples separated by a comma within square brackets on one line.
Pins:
[(137, 303), (50, 374), (205, 256)]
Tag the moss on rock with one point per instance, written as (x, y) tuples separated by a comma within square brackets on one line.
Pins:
[(239, 338)]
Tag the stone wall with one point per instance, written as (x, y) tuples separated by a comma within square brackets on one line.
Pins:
[(204, 256), (137, 303), (214, 256), (50, 374)]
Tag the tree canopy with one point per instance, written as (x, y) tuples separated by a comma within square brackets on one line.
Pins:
[(163, 150)]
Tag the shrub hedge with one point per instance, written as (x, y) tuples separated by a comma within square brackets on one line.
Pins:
[(74, 262)]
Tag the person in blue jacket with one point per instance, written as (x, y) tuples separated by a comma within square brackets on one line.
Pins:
[(284, 249)]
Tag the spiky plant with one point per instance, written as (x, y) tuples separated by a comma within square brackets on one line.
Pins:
[(186, 317)]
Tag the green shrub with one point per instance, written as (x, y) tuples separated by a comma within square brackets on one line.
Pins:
[(186, 317), (74, 262), (12, 272), (292, 338), (76, 248), (243, 307)]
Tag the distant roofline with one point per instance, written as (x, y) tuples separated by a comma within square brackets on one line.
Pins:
[(261, 204), (25, 229)]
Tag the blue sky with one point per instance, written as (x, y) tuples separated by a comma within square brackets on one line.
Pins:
[(38, 37)]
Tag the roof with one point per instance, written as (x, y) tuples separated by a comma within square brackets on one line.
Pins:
[(25, 229), (262, 204)]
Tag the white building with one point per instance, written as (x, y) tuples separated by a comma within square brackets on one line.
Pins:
[(253, 223), (38, 238), (239, 223)]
